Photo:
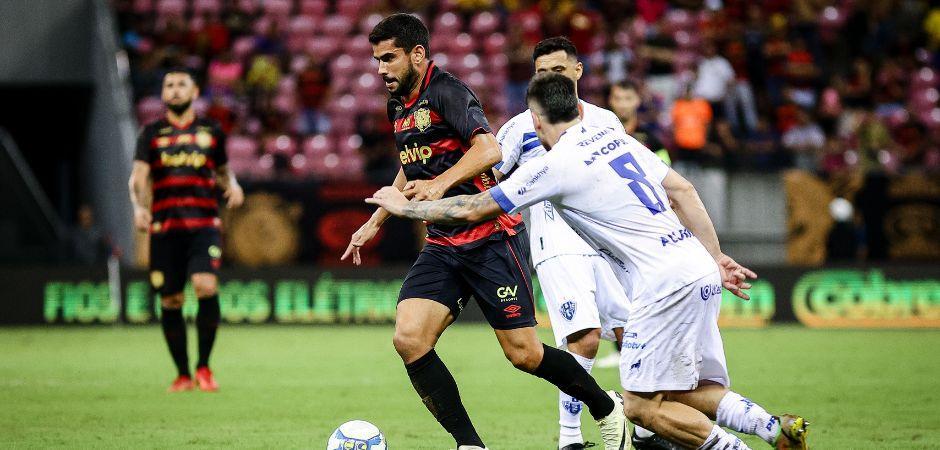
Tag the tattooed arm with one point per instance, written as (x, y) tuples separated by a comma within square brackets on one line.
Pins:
[(448, 211)]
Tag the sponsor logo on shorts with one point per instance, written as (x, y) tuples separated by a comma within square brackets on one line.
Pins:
[(633, 345), (573, 407), (156, 279), (568, 309), (507, 293), (512, 311), (712, 290), (635, 366)]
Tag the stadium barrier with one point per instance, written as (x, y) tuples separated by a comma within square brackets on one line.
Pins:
[(843, 297)]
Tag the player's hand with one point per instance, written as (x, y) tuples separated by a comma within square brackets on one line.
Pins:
[(364, 234), (734, 276), (235, 195), (142, 219), (424, 190), (389, 198)]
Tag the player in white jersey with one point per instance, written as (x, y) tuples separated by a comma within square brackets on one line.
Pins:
[(651, 226), (585, 302)]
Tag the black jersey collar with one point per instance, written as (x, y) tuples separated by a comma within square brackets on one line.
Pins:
[(424, 83)]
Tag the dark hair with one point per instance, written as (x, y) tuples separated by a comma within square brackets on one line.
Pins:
[(555, 95), (625, 84), (552, 45), (406, 29), (183, 70)]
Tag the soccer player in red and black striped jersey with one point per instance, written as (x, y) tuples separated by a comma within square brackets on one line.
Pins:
[(179, 169), (446, 149)]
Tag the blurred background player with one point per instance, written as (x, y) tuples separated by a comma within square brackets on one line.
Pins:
[(625, 100), (446, 149), (179, 162), (584, 299)]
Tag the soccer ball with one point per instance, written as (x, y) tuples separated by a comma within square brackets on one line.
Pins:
[(357, 435)]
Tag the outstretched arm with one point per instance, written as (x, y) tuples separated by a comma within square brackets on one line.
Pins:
[(482, 155), (449, 211), (688, 206)]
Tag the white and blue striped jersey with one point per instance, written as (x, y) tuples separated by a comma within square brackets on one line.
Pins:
[(608, 187), (549, 235)]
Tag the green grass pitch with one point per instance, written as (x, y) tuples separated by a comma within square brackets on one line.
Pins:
[(290, 386)]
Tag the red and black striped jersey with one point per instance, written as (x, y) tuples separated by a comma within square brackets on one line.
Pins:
[(432, 133), (182, 166)]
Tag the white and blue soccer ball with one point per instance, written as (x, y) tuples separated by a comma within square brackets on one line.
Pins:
[(357, 435)]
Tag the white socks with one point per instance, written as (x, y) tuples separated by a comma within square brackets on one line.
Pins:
[(569, 410), (720, 439), (740, 414)]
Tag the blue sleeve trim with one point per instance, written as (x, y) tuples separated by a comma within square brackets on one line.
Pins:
[(498, 165), (501, 199), (530, 145)]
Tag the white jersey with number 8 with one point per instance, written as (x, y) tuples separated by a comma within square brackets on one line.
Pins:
[(608, 187)]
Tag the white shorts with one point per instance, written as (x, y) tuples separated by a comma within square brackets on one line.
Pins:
[(674, 343), (582, 293)]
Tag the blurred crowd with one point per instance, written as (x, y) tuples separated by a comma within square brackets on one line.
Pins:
[(825, 86)]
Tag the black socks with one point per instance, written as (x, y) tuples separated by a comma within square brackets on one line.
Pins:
[(438, 391), (561, 369), (174, 331), (207, 322)]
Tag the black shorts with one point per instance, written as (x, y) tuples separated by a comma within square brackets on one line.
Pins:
[(177, 254), (495, 273)]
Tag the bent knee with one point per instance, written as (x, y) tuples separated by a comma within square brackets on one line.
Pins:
[(410, 346), (641, 410), (205, 286), (585, 342), (173, 301), (524, 358)]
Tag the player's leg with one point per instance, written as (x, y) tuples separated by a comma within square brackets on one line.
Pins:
[(661, 351), (567, 283), (428, 303), (168, 277), (204, 260), (498, 274), (728, 408)]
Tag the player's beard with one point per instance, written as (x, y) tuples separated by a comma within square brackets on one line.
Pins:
[(406, 83), (179, 108)]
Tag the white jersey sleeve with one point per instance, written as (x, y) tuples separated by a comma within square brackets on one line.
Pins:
[(532, 183), (515, 138)]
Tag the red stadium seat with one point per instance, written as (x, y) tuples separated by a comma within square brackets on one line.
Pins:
[(278, 8), (484, 24), (248, 6), (238, 146), (350, 8), (494, 44), (337, 26), (280, 145), (447, 24), (322, 47), (924, 78), (201, 7), (303, 25), (314, 8), (369, 22), (368, 84), (264, 168), (171, 8), (316, 146), (142, 7), (462, 44), (285, 103), (359, 46), (243, 46), (349, 145), (343, 66)]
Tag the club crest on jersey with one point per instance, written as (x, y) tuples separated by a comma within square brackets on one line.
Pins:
[(568, 309), (422, 119)]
